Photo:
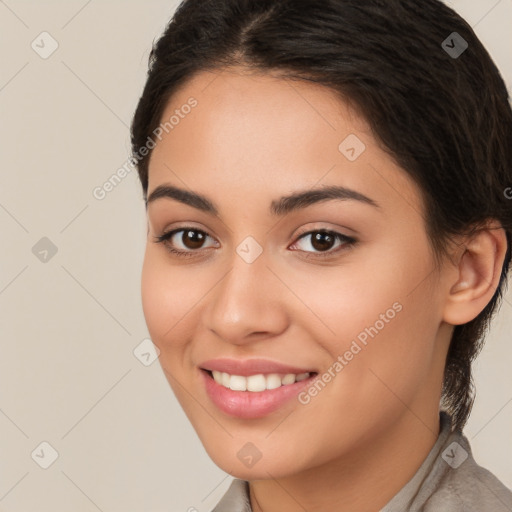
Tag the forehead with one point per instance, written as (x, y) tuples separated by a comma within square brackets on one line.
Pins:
[(266, 132)]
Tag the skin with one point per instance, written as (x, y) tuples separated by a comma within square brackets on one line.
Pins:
[(251, 139)]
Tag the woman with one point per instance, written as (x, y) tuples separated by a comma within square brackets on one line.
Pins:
[(329, 234)]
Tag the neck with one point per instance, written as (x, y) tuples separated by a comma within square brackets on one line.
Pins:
[(365, 479)]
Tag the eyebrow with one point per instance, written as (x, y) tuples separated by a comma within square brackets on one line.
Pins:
[(282, 206)]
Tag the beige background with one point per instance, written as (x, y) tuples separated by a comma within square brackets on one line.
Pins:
[(69, 326)]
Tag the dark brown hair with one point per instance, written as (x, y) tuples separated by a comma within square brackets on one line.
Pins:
[(444, 117)]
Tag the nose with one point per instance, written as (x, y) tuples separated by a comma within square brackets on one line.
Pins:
[(247, 304)]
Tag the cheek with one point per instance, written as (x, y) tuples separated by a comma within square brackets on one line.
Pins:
[(375, 288), (381, 316), (167, 296)]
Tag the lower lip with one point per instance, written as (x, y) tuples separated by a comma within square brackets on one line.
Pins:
[(249, 404)]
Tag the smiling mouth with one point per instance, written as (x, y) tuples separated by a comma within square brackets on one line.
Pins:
[(253, 395), (258, 382)]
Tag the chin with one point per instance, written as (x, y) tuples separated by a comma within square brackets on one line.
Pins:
[(259, 470)]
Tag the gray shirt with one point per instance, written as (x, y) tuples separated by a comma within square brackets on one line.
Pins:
[(448, 480)]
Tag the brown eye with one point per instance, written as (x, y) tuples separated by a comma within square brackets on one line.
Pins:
[(322, 241), (186, 241), (192, 239)]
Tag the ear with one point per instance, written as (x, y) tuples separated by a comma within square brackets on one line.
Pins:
[(476, 273)]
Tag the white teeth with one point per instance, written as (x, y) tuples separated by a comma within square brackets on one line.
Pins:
[(289, 378), (256, 383), (273, 381), (237, 383)]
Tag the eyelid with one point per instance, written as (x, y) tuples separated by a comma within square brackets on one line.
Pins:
[(346, 242), (321, 226), (168, 234)]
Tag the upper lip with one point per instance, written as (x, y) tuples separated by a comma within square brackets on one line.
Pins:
[(247, 367)]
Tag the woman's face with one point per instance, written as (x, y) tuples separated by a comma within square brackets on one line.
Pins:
[(304, 272)]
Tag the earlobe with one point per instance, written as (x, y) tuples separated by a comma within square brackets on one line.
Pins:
[(478, 272)]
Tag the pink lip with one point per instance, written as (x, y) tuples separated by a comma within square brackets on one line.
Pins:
[(249, 367), (248, 404)]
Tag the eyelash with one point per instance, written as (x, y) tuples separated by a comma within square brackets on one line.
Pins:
[(347, 242)]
